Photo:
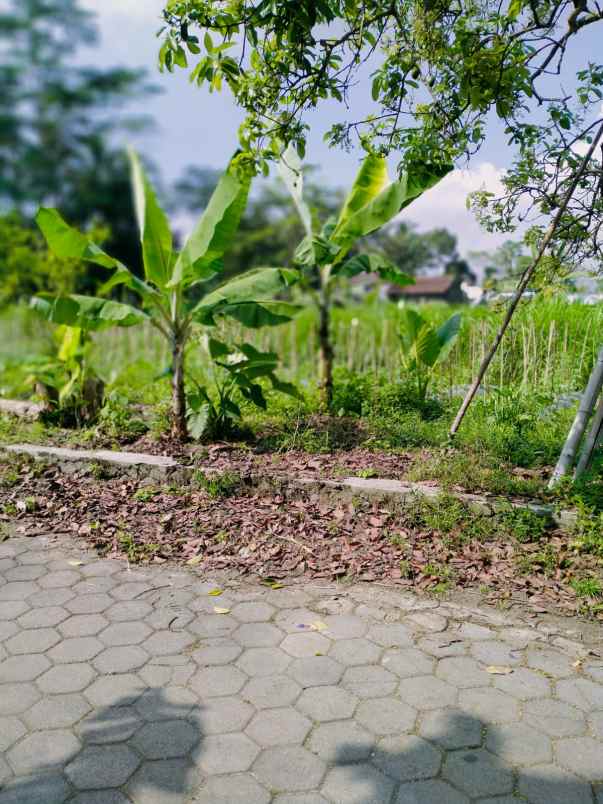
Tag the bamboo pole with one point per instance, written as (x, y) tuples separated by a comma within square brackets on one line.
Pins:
[(587, 403), (523, 284), (593, 439)]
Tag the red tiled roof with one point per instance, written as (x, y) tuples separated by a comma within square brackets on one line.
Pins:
[(429, 286)]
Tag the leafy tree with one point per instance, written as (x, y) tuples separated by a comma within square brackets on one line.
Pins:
[(57, 120), (27, 266), (326, 253), (446, 69), (171, 275)]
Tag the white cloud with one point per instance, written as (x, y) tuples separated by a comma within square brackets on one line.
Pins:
[(446, 206), (127, 8)]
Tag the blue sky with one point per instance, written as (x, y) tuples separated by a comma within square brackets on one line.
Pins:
[(196, 128)]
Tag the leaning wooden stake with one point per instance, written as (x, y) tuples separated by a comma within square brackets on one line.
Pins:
[(587, 404), (593, 439), (523, 284)]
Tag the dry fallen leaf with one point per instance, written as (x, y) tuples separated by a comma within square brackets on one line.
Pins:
[(219, 610), (194, 561), (499, 671), (318, 626), (215, 592), (76, 563)]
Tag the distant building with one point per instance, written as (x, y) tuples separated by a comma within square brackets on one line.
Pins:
[(446, 288)]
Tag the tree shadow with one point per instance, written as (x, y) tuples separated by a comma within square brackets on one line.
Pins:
[(148, 745), (461, 760)]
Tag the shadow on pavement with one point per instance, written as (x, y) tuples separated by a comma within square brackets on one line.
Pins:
[(148, 744), (476, 766)]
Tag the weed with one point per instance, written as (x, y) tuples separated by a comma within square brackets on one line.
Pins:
[(99, 471), (218, 486), (135, 552), (588, 530), (222, 537), (10, 509), (117, 419), (145, 494), (588, 587), (405, 569), (367, 473), (546, 560), (397, 539), (522, 523)]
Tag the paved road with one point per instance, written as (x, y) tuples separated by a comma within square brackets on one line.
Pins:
[(125, 685)]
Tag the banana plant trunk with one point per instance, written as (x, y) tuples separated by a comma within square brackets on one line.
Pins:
[(325, 353), (179, 426)]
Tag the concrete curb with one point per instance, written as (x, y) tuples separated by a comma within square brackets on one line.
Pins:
[(162, 468)]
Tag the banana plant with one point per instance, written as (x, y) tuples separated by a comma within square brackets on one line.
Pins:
[(170, 275), (323, 257), (423, 346)]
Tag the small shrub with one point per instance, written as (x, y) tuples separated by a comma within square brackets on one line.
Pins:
[(219, 485), (118, 420), (588, 587)]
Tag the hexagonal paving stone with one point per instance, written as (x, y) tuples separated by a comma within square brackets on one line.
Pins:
[(166, 739), (549, 661), (93, 586), (211, 681), (345, 626), (427, 692), (43, 618), (463, 672), (241, 788), (258, 635), (89, 604), (128, 610), (112, 724), (42, 788), (283, 726), (217, 651), (519, 744), (315, 671), (288, 768), (263, 661), (490, 704), (167, 703), (165, 643), (555, 718), (11, 609), (477, 773), (427, 621), (50, 597), (57, 580), (18, 590), (292, 620), (357, 784), (548, 784), (7, 630), (127, 633), (494, 652), (16, 698), (100, 797), (120, 660), (64, 679), (523, 684), (407, 757), (115, 690), (306, 644), (443, 645), (370, 681), (596, 724), (163, 781), (271, 691), (213, 625), (253, 612), (451, 729), (102, 766), (581, 692), (327, 703), (221, 715), (30, 573), (5, 773), (386, 716), (44, 749), (78, 649), (23, 668), (408, 662), (58, 712), (83, 625), (130, 590), (227, 753), (341, 742), (391, 635), (300, 798), (37, 640), (582, 756), (11, 730), (428, 792), (354, 652)]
